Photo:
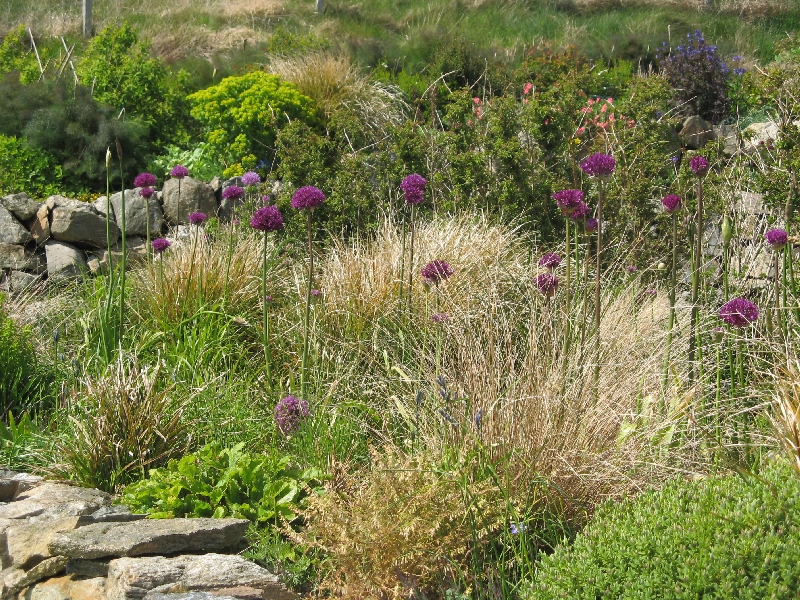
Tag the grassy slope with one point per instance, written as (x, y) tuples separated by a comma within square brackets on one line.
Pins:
[(409, 30)]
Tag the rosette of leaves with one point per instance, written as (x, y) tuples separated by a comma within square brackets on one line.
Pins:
[(224, 482)]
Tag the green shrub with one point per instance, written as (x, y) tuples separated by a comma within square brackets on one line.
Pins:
[(241, 116), (223, 482), (200, 161), (722, 537), (25, 169)]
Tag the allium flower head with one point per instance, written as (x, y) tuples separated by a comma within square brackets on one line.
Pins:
[(440, 317), (699, 165), (179, 172), (267, 218), (146, 192), (197, 218), (777, 238), (436, 271), (547, 284), (232, 192), (307, 197), (568, 200), (316, 293), (599, 165), (550, 260), (739, 312), (160, 245), (290, 412), (251, 178), (413, 187), (632, 268), (144, 180), (580, 212), (590, 226), (671, 203)]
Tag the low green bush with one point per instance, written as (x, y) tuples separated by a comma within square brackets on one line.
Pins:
[(224, 482), (722, 537), (26, 169)]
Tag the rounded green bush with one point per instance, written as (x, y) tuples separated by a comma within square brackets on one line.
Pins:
[(722, 537)]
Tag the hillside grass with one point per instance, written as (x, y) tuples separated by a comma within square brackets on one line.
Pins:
[(408, 33)]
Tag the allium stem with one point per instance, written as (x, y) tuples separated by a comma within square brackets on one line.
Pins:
[(585, 301), (124, 248), (304, 364), (267, 349), (777, 292), (696, 266), (568, 311), (725, 259), (411, 262), (598, 258), (402, 262), (672, 278), (147, 226)]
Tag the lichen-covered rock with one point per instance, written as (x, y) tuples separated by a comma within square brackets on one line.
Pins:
[(136, 208), (26, 544), (68, 588), (195, 196), (80, 223), (11, 230), (64, 260), (697, 132), (20, 205), (51, 500)]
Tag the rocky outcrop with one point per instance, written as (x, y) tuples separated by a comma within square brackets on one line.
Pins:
[(136, 211), (185, 196), (80, 223), (64, 260), (697, 132), (22, 206), (11, 230)]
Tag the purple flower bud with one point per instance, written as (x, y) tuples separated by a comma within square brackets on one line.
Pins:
[(580, 212), (777, 238), (251, 178), (632, 268), (197, 218), (413, 187), (146, 192), (568, 200), (160, 245), (316, 293), (550, 260), (599, 165), (232, 192), (179, 172), (144, 180), (267, 218), (738, 312), (547, 284), (436, 271), (307, 197), (290, 412), (590, 226), (671, 203), (699, 165), (440, 317)]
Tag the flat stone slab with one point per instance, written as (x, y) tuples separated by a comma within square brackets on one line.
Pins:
[(150, 536), (220, 574), (68, 588), (54, 500)]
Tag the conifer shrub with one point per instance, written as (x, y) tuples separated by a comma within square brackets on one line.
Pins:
[(721, 537)]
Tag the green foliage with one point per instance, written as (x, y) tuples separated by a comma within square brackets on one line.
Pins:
[(17, 439), (200, 161), (296, 565), (16, 56), (26, 384), (122, 74), (241, 116), (723, 537), (224, 482), (25, 169)]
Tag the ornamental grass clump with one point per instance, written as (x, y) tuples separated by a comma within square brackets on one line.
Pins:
[(307, 198), (266, 219)]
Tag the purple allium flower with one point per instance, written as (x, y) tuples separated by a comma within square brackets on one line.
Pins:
[(197, 218), (599, 165), (265, 199), (632, 268), (413, 187), (568, 200), (440, 317), (251, 178), (699, 165), (144, 180), (160, 245), (307, 197), (290, 412), (738, 312), (236, 222), (232, 192), (550, 260), (146, 192), (268, 298), (267, 218), (316, 293), (650, 292), (580, 212), (179, 172), (671, 203), (436, 271), (590, 226), (547, 284), (777, 238)]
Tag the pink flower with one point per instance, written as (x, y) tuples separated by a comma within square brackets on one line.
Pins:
[(527, 88)]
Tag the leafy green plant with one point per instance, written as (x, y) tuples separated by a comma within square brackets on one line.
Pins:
[(295, 564), (224, 482), (722, 537), (26, 169), (241, 116), (200, 161), (16, 441)]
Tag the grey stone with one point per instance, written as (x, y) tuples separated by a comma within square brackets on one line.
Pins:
[(67, 588), (11, 230), (216, 185), (232, 181), (729, 134), (756, 134), (225, 212), (136, 210), (78, 222), (64, 260), (51, 500), (14, 256), (100, 207), (26, 544), (26, 481), (116, 514), (40, 227), (157, 536), (8, 489), (81, 567), (136, 578), (17, 579), (20, 205), (750, 203), (277, 187), (697, 132), (189, 596), (194, 196)]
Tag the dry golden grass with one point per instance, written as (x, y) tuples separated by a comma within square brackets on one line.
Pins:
[(786, 414)]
